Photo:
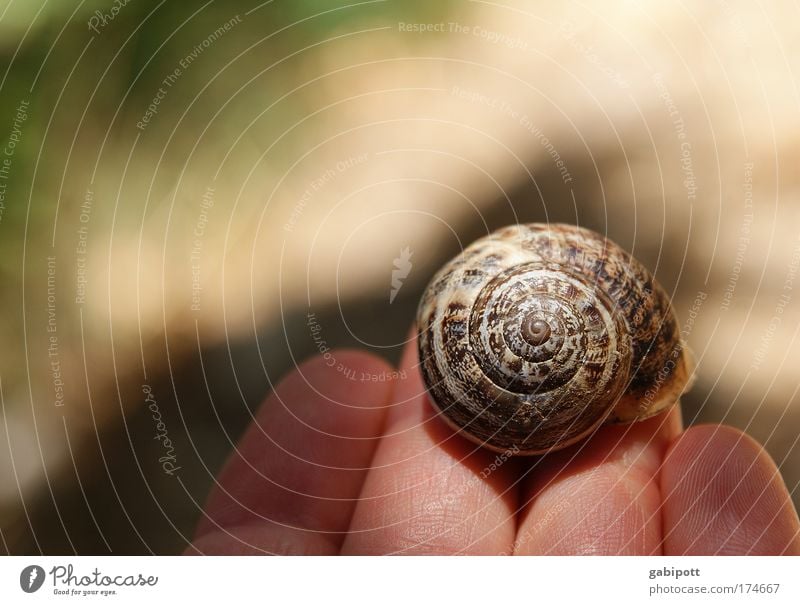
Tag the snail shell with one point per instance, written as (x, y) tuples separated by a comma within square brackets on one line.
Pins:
[(537, 334)]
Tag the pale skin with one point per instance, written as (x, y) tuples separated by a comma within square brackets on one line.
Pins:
[(336, 465)]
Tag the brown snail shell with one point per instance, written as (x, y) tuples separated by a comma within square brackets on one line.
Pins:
[(535, 335)]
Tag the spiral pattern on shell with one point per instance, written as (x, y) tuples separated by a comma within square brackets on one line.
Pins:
[(536, 334)]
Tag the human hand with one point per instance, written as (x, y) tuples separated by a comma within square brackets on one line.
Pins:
[(337, 462)]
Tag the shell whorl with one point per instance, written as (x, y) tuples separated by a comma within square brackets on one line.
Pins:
[(536, 334)]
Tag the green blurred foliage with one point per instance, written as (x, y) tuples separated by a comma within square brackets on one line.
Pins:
[(41, 41)]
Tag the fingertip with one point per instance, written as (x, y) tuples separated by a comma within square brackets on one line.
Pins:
[(723, 494), (295, 475), (430, 491), (409, 390), (338, 371)]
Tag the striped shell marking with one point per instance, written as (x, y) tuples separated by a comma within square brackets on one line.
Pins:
[(536, 335)]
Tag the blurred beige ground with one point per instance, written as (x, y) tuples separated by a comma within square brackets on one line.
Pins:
[(285, 171)]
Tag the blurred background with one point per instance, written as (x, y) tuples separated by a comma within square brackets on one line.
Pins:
[(196, 196)]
